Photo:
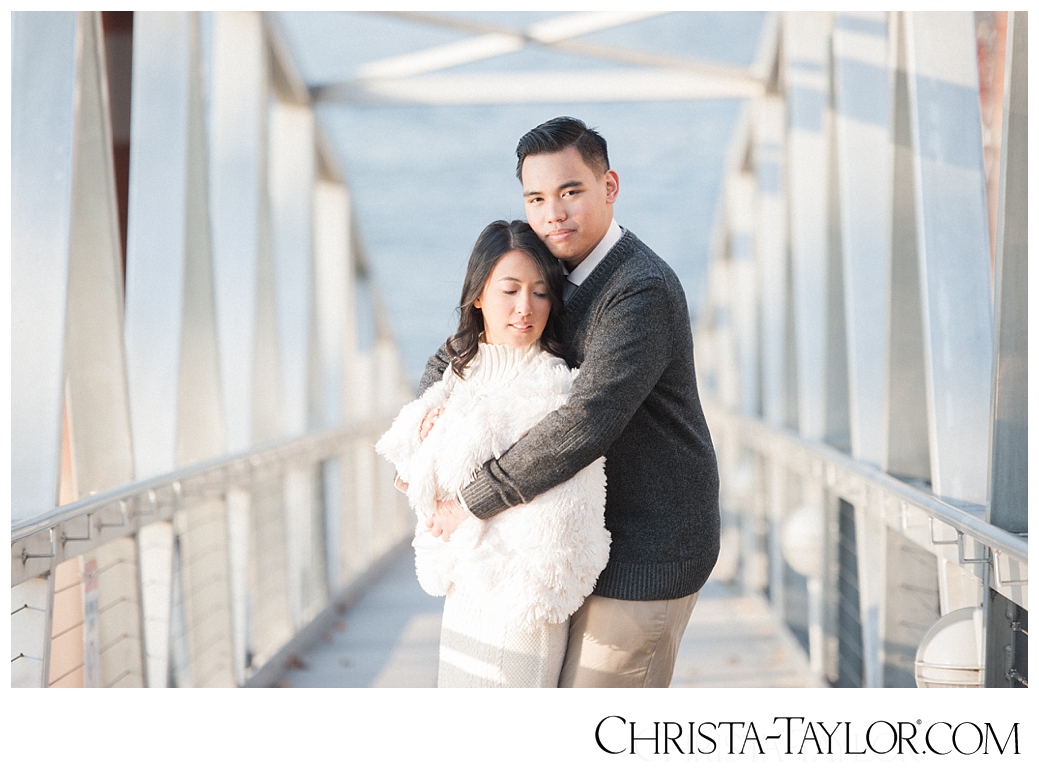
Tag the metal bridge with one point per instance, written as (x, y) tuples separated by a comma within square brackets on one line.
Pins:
[(202, 356)]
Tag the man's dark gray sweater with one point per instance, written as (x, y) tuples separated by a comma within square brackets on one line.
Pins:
[(635, 401)]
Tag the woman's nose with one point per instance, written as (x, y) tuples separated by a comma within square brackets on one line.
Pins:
[(524, 303)]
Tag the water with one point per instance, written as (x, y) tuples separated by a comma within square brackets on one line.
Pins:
[(426, 179)]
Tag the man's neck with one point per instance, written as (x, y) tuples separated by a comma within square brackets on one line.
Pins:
[(571, 264), (595, 255)]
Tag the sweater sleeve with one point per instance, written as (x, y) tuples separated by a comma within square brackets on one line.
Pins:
[(627, 352), (437, 364)]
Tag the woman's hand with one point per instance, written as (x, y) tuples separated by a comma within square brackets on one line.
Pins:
[(400, 485), (428, 421)]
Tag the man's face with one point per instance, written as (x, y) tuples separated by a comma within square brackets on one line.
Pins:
[(568, 204)]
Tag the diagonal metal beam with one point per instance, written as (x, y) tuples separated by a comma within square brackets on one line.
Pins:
[(440, 57), (496, 40), (553, 30)]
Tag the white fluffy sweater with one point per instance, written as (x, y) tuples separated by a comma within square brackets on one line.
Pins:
[(535, 562)]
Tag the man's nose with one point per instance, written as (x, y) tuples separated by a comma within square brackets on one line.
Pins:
[(556, 211)]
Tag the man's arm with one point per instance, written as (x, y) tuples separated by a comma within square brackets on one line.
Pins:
[(435, 367), (628, 351)]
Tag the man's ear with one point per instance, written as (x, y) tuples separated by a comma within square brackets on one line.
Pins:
[(613, 185)]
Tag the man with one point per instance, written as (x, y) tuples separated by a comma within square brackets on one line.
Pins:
[(635, 401)]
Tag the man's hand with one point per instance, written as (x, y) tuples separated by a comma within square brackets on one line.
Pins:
[(447, 518)]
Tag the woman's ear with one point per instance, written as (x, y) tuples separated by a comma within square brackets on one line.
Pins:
[(478, 303)]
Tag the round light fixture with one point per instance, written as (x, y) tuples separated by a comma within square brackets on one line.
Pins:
[(950, 653), (801, 538)]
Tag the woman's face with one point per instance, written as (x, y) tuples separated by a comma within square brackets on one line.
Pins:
[(514, 302)]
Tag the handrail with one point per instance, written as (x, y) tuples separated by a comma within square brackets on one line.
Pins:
[(993, 537), (234, 467)]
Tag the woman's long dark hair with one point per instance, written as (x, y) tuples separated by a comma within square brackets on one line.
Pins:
[(496, 240)]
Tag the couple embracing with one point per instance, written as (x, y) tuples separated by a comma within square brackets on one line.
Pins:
[(557, 457)]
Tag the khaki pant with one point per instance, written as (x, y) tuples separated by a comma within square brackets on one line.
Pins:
[(616, 643)]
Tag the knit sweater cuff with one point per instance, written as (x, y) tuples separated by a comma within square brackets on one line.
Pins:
[(482, 499)]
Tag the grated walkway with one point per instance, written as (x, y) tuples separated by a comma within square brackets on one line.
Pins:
[(389, 638)]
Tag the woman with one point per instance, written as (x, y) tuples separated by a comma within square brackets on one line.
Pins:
[(513, 581)]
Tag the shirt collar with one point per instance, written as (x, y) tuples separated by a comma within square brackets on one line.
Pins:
[(584, 269)]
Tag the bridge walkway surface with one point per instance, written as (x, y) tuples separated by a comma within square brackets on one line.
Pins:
[(387, 637)]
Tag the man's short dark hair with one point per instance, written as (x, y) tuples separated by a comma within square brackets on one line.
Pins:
[(561, 133)]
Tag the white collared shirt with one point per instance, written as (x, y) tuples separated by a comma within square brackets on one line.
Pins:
[(590, 262)]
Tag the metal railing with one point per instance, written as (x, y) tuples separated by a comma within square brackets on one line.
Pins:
[(901, 501), (124, 510), (360, 519)]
